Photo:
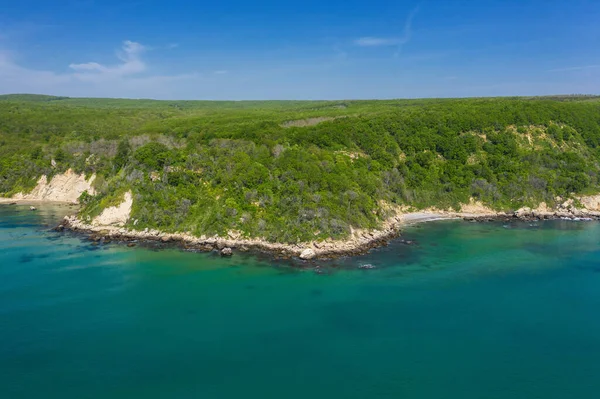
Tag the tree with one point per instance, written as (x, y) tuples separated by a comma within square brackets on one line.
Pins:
[(123, 151)]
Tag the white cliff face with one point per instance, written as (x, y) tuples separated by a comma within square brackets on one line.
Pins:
[(591, 203), (116, 215), (66, 187)]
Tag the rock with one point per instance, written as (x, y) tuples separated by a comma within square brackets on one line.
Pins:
[(567, 204), (367, 266), (307, 254), (220, 246), (523, 212), (226, 252), (234, 235), (32, 208), (165, 239), (131, 244)]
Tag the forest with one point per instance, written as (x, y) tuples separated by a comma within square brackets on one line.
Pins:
[(291, 171)]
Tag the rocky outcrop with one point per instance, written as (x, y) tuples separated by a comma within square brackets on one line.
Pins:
[(65, 187), (308, 254), (116, 215), (591, 202), (476, 208), (226, 252), (567, 210)]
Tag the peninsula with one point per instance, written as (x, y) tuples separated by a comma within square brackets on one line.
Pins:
[(307, 178)]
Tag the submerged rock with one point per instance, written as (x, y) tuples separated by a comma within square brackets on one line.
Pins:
[(95, 237), (226, 251), (367, 266)]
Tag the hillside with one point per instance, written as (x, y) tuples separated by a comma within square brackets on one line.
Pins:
[(290, 171)]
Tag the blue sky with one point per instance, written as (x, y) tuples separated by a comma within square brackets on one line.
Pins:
[(333, 49)]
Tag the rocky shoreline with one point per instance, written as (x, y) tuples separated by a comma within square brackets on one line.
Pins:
[(361, 241), (108, 226)]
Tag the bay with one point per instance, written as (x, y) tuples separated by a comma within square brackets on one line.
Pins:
[(472, 310)]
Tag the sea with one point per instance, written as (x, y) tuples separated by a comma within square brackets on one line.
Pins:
[(465, 310)]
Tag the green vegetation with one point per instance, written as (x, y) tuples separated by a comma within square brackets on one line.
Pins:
[(211, 167)]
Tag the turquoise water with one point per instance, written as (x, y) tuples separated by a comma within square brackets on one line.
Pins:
[(473, 311)]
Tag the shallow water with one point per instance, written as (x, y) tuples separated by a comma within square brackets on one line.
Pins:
[(474, 310)]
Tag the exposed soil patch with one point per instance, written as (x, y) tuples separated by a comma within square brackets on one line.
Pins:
[(310, 121)]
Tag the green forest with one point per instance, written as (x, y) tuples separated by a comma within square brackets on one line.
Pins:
[(291, 171)]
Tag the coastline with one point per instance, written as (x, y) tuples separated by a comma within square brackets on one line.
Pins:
[(359, 242), (65, 189), (20, 201)]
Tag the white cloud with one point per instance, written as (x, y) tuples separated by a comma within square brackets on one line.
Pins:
[(371, 41), (90, 66), (130, 77), (575, 68), (131, 50), (131, 63)]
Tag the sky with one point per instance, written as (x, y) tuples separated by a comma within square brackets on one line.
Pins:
[(333, 49)]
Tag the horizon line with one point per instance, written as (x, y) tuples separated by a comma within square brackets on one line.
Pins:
[(59, 98)]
